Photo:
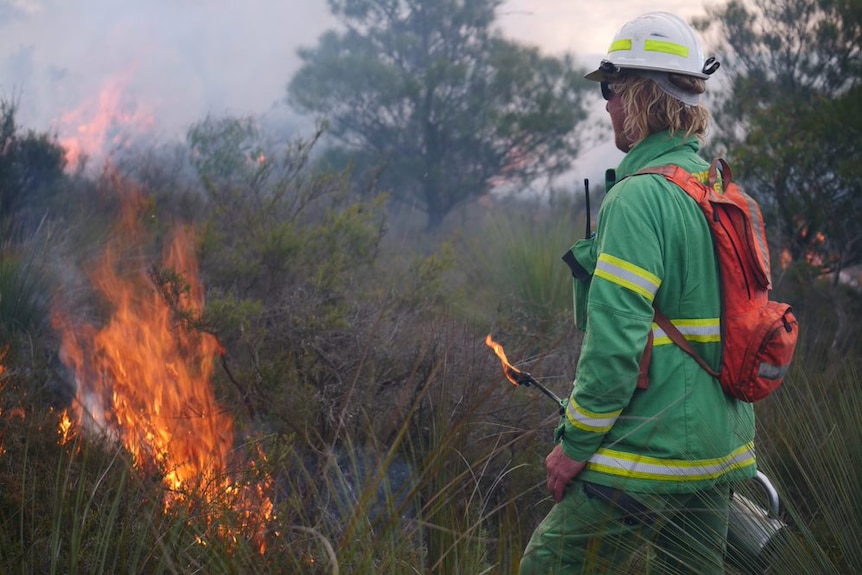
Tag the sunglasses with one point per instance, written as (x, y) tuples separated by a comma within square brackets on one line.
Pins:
[(611, 70)]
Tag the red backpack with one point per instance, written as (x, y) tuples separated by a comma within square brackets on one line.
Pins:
[(758, 335)]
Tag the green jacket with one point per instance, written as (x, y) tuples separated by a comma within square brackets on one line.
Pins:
[(652, 246)]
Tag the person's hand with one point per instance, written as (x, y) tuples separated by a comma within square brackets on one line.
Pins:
[(561, 469)]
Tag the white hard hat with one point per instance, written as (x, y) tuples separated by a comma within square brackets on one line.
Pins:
[(656, 41)]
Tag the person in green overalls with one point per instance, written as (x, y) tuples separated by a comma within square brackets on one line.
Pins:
[(652, 468)]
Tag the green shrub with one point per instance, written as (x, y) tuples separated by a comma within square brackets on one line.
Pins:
[(513, 272), (25, 286)]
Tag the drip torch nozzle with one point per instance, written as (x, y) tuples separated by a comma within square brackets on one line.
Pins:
[(519, 377), (527, 380)]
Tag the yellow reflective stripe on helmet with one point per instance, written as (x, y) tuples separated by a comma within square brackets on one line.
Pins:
[(589, 420), (665, 47), (627, 275), (620, 46), (697, 330), (635, 466), (661, 46)]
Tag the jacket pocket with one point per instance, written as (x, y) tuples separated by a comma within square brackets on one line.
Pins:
[(581, 259)]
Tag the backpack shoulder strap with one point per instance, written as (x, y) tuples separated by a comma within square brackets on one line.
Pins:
[(676, 336), (691, 185), (698, 192)]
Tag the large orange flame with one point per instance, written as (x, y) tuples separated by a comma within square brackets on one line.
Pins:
[(146, 382)]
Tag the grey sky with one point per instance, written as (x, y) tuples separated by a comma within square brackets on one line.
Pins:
[(581, 26), (158, 65)]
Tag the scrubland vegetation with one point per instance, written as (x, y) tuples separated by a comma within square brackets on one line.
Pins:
[(364, 401), (233, 355)]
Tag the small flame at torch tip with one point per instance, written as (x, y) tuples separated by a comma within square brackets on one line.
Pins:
[(508, 370)]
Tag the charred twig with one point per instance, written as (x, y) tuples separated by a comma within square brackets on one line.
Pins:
[(243, 392)]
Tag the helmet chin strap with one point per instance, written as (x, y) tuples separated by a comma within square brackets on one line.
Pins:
[(661, 78)]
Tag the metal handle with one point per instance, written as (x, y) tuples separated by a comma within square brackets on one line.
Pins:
[(771, 493)]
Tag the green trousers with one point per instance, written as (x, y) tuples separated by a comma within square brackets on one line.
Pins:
[(595, 530)]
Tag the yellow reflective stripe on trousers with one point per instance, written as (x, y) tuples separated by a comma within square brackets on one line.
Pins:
[(636, 466), (697, 330), (589, 420), (627, 275)]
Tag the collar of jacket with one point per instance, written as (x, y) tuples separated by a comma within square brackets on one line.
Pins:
[(648, 151)]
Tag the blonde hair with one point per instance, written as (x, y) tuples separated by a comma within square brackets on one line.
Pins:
[(648, 109)]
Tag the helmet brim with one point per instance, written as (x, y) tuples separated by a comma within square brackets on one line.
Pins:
[(597, 76), (608, 72)]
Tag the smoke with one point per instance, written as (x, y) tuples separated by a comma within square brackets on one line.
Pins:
[(157, 65), (95, 72)]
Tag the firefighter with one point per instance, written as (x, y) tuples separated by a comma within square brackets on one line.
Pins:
[(646, 469)]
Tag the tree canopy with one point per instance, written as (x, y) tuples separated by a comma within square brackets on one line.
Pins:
[(30, 165), (792, 121), (431, 91)]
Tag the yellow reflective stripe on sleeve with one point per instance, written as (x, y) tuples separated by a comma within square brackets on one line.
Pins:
[(627, 275), (635, 466), (589, 420), (697, 330), (620, 46), (665, 47)]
